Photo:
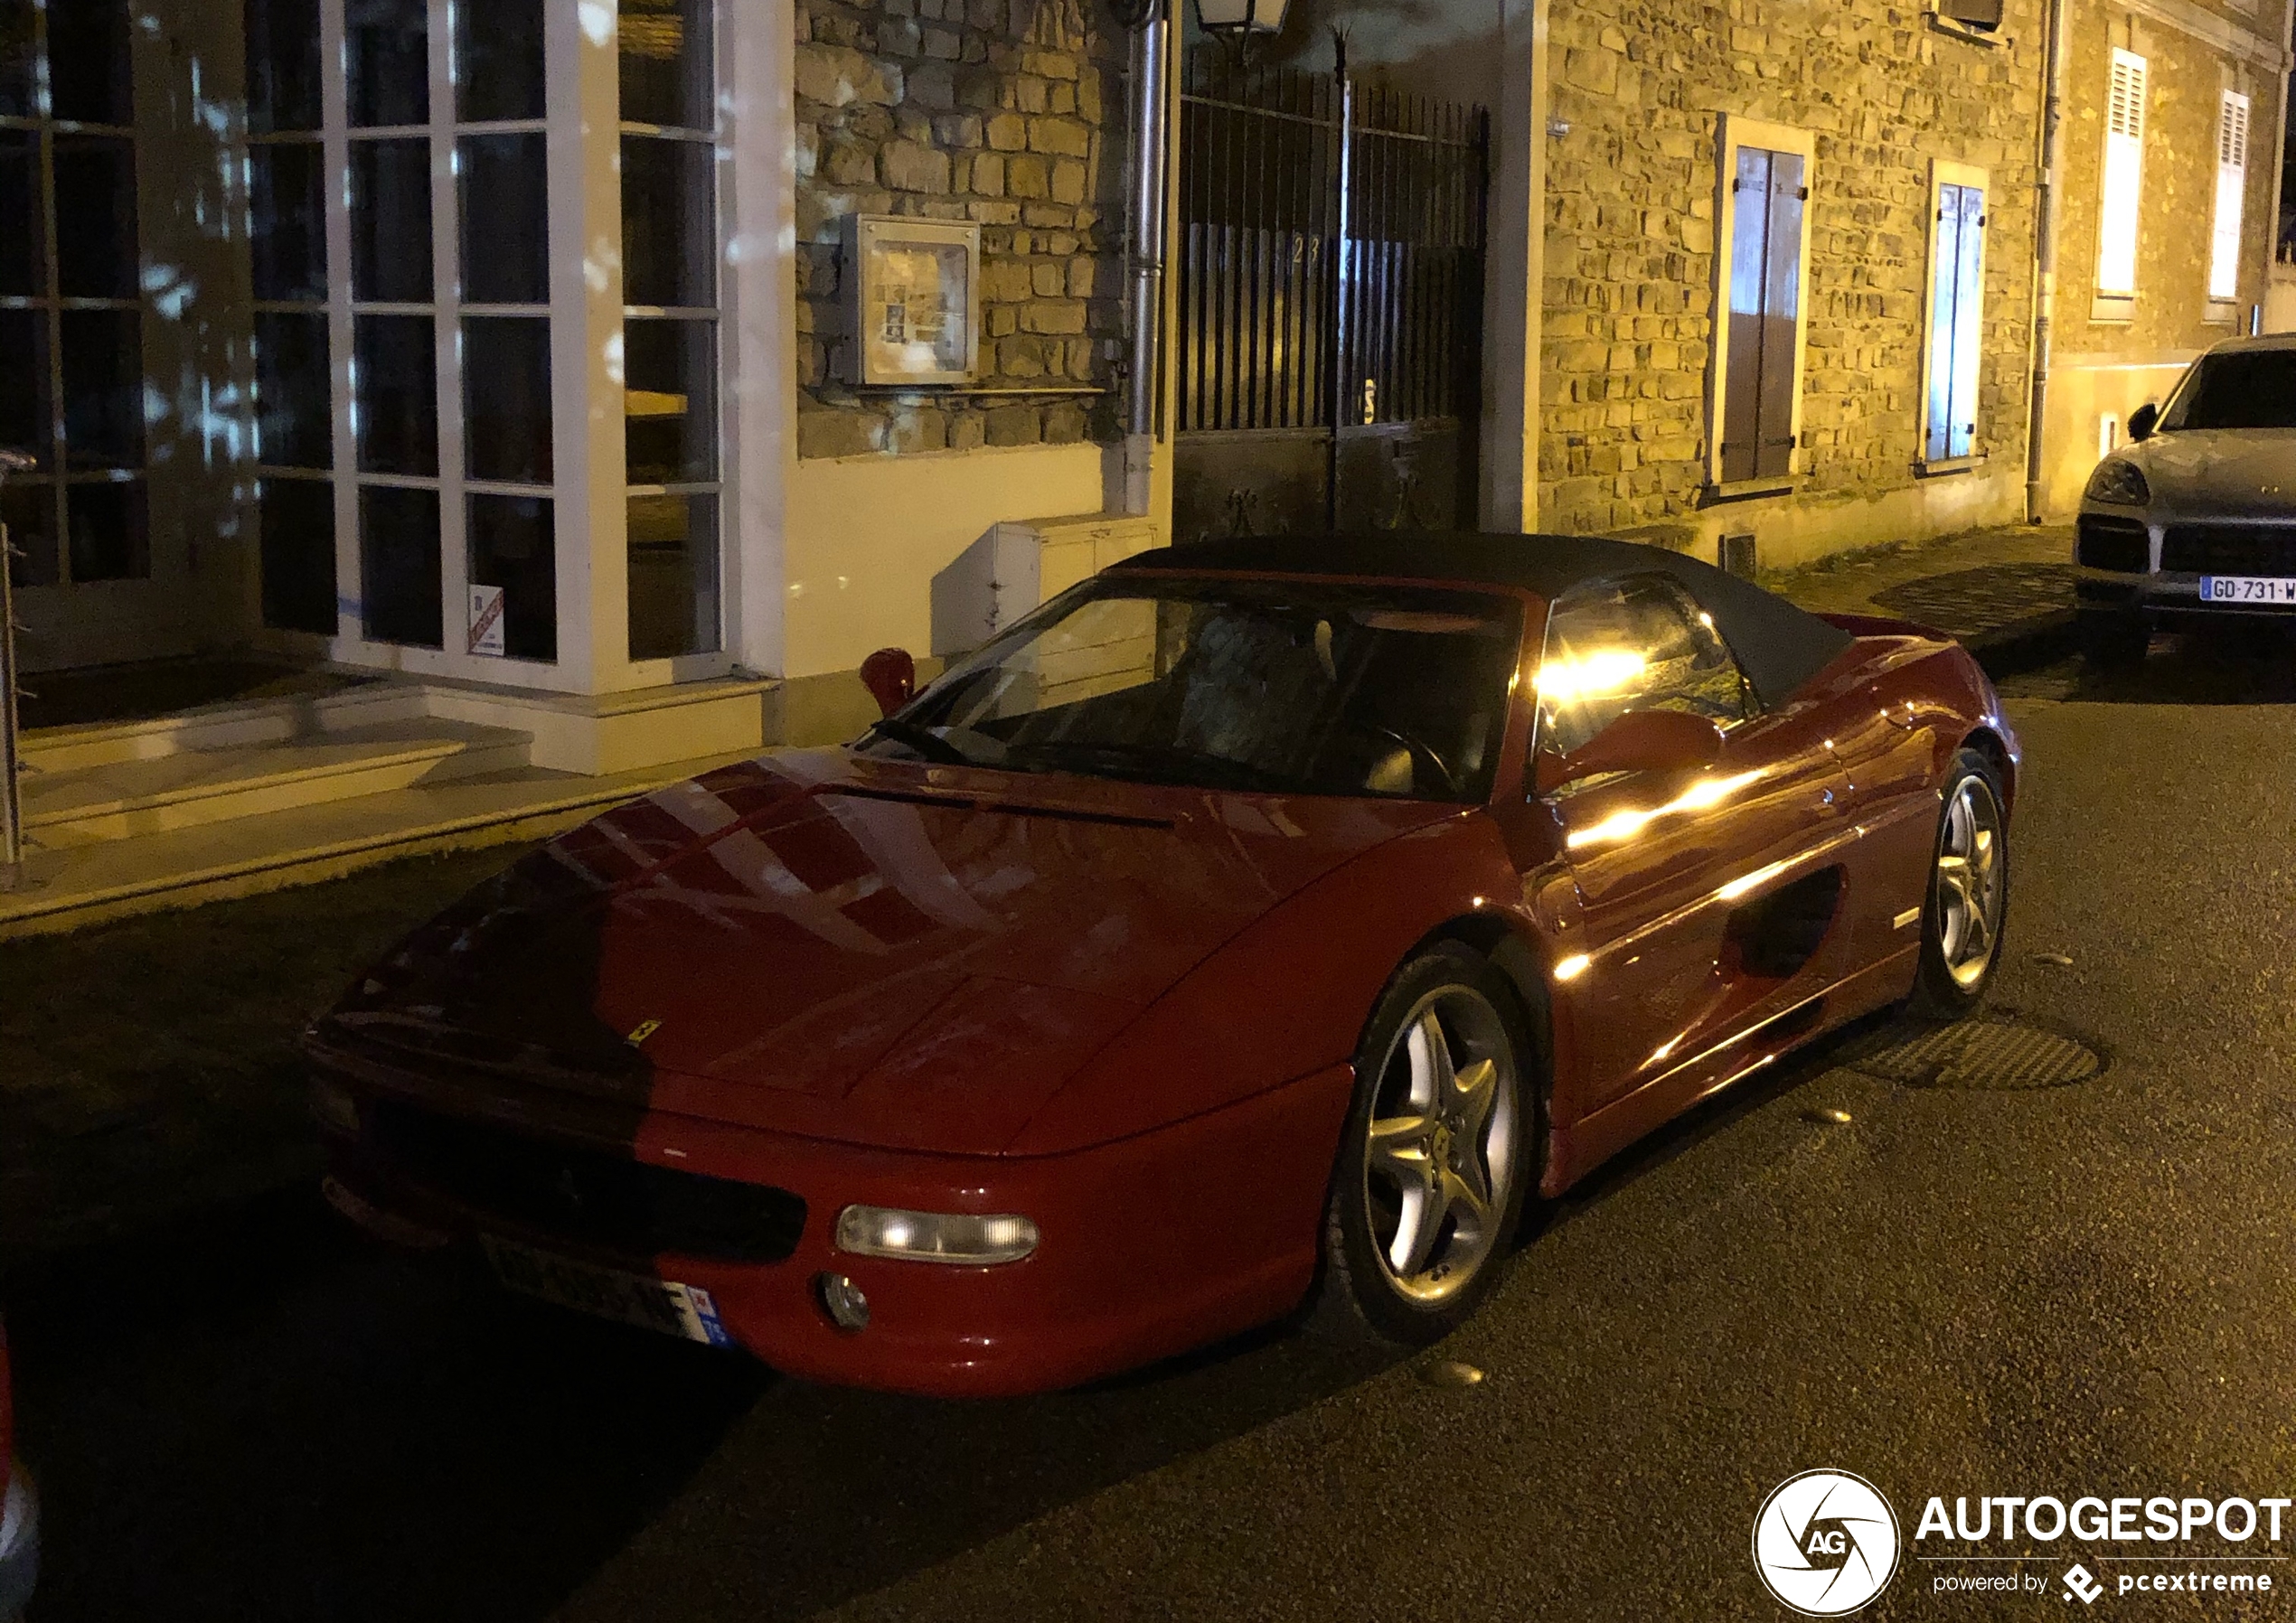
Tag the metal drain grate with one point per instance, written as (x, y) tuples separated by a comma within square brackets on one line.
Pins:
[(1983, 1053)]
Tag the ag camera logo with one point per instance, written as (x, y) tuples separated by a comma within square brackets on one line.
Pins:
[(1825, 1542)]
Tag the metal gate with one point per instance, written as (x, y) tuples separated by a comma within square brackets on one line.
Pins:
[(1331, 273)]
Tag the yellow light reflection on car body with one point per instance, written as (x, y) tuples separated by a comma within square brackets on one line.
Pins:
[(1700, 796), (1746, 882)]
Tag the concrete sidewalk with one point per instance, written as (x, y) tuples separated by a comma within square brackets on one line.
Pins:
[(2005, 592)]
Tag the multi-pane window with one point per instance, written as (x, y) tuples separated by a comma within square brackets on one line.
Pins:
[(71, 363), (406, 159), (2123, 178), (1956, 334), (670, 325), (288, 237), (433, 445), (394, 314), (2232, 188), (1762, 359), (502, 194)]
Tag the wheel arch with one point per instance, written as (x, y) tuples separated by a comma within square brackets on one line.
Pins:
[(1989, 744), (1502, 941)]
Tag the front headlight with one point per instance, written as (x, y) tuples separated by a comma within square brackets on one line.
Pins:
[(2119, 482), (934, 1236)]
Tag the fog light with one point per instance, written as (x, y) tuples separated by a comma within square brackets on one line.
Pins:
[(934, 1236), (843, 1300), (333, 1107)]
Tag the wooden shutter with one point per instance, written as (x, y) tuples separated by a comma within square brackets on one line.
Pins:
[(1955, 328), (2232, 190), (1969, 339), (1781, 316), (1742, 398), (1765, 314), (1944, 291), (2123, 175)]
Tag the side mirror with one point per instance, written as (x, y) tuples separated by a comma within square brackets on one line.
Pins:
[(891, 676), (2143, 420), (1638, 741)]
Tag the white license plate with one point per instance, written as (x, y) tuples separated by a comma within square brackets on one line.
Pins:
[(663, 1305), (2247, 588)]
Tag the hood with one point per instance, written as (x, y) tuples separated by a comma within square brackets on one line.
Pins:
[(863, 950), (2198, 473)]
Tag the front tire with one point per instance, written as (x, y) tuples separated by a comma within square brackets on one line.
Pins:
[(1437, 1155), (1967, 907)]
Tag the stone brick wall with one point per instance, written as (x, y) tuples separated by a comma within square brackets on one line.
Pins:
[(1007, 112), (1631, 235), (2186, 78)]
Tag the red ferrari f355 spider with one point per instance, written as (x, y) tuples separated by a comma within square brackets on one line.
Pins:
[(1260, 922)]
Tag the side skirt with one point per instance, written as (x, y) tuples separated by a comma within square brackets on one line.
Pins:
[(1576, 1149)]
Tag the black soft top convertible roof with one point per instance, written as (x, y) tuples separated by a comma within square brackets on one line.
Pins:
[(1780, 646)]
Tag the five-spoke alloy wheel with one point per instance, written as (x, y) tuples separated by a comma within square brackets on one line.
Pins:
[(1439, 1148), (1968, 901)]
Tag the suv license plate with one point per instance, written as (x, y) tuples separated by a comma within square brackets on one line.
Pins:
[(2247, 588)]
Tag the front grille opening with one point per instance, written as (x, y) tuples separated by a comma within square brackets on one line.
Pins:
[(587, 1197), (2112, 544), (2229, 549)]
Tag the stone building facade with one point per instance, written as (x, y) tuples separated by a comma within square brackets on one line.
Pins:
[(992, 111), (2111, 356), (508, 348), (1626, 161), (1632, 285)]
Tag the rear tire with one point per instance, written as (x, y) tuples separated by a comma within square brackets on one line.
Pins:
[(1437, 1155), (1967, 905), (2111, 641)]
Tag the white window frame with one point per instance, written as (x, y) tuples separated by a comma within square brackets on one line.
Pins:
[(1732, 131), (57, 476), (1943, 172), (2232, 132), (609, 487), (2121, 186), (588, 488)]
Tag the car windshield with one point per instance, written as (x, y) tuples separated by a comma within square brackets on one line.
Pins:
[(2244, 389), (1271, 686)]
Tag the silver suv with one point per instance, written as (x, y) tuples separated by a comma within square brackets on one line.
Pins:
[(2194, 520)]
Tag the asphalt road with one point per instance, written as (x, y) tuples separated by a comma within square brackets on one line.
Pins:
[(249, 1414)]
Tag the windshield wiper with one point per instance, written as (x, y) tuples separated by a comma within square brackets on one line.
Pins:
[(923, 740), (1154, 762)]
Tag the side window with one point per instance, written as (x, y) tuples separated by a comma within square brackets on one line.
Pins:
[(1639, 644)]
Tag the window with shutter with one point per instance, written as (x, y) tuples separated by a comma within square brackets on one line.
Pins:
[(2123, 178), (1756, 432), (1957, 297), (2231, 186)]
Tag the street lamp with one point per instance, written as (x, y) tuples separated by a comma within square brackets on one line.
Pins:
[(1239, 20)]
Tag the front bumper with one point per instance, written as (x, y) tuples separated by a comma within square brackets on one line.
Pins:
[(1151, 1245), (2168, 601), (2151, 563), (19, 1543)]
